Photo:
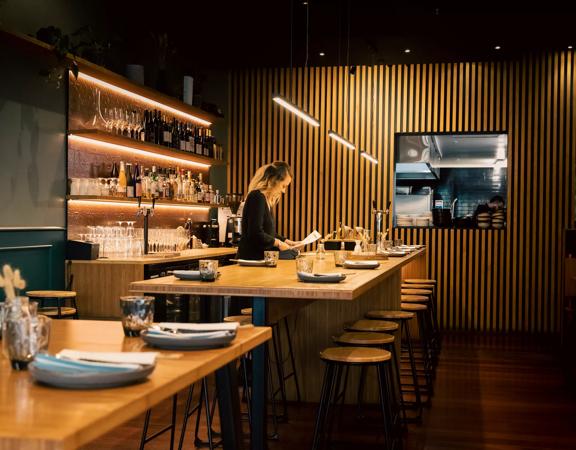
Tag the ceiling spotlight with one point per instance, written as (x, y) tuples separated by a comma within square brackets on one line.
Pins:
[(352, 70), (497, 47), (569, 47), (322, 54), (407, 50)]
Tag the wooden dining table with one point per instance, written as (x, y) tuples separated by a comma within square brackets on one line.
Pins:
[(277, 291), (38, 417)]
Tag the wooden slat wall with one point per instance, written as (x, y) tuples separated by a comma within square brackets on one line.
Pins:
[(503, 280)]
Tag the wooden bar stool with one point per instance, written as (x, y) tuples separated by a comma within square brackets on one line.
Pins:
[(402, 318), (424, 337), (380, 340), (426, 292), (338, 358), (420, 281), (242, 320), (432, 284), (406, 298), (377, 326), (433, 316), (59, 311)]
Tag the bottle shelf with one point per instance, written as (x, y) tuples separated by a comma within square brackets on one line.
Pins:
[(134, 201), (146, 147)]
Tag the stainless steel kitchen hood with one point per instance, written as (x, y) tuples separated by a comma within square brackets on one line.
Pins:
[(416, 171)]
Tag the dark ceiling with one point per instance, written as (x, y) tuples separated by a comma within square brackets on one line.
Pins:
[(219, 34)]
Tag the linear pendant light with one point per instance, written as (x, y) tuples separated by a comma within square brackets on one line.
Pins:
[(294, 109), (343, 141), (369, 157)]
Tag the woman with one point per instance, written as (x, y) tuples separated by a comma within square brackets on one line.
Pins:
[(258, 226)]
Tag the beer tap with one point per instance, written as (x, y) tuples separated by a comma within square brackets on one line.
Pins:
[(146, 212)]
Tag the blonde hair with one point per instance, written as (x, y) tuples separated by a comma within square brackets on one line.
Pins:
[(267, 178)]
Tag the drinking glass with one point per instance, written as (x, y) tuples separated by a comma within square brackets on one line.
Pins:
[(304, 263), (271, 258), (208, 269), (371, 248), (340, 256), (398, 242), (137, 314)]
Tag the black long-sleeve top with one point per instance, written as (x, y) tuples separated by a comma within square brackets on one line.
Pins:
[(258, 228)]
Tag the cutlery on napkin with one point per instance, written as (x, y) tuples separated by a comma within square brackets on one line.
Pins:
[(137, 358), (198, 327)]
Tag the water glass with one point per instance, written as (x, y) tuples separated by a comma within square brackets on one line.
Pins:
[(137, 314), (304, 264), (208, 269), (398, 242), (372, 248), (271, 258)]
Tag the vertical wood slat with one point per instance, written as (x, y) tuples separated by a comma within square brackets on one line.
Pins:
[(502, 280)]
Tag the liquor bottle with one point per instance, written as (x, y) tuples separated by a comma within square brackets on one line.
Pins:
[(190, 139), (182, 137), (154, 183), (175, 134), (129, 182), (217, 197), (157, 128), (122, 180), (137, 181), (144, 128)]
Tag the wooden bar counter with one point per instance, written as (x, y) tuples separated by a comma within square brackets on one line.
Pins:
[(36, 417), (319, 309), (100, 283)]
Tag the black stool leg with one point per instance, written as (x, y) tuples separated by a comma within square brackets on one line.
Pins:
[(187, 414), (395, 368), (411, 357), (172, 427), (384, 404), (246, 388), (324, 405), (363, 374), (204, 402), (280, 369), (294, 373)]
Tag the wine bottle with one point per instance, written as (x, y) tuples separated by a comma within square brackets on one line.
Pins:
[(198, 141), (129, 182), (114, 171), (166, 133)]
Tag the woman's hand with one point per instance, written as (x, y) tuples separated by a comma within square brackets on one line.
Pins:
[(282, 245), (292, 243)]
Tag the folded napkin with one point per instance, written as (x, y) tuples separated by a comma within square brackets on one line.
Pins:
[(71, 366), (199, 327), (145, 358), (328, 274)]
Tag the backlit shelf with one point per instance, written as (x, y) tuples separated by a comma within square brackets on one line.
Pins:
[(124, 144)]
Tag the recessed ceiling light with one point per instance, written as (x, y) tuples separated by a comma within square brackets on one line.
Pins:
[(569, 47), (497, 47), (322, 54), (407, 50)]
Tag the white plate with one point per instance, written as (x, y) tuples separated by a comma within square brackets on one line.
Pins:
[(359, 264), (250, 262), (321, 277)]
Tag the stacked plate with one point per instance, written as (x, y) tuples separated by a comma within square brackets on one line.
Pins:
[(498, 219), (250, 262), (484, 220), (360, 264), (190, 336), (335, 277), (422, 221), (92, 370)]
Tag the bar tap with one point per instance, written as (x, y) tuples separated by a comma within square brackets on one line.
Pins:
[(379, 233), (146, 212)]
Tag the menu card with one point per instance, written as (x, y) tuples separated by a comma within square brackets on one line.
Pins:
[(312, 237)]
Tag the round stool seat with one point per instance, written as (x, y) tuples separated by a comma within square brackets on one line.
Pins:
[(377, 326), (390, 315), (242, 320), (419, 281), (416, 291), (51, 294), (430, 287), (413, 307), (414, 299), (52, 311), (355, 355), (246, 311), (364, 338)]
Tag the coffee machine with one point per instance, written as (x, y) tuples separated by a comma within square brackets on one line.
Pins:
[(234, 222), (207, 232)]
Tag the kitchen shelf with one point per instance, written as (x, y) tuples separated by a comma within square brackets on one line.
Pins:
[(145, 201), (148, 147)]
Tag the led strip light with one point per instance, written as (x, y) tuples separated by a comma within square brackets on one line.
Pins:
[(343, 141), (294, 109), (149, 101), (144, 202), (86, 140), (368, 157)]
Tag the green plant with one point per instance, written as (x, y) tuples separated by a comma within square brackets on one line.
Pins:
[(67, 48)]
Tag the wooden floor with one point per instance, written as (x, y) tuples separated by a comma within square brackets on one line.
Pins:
[(491, 393)]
